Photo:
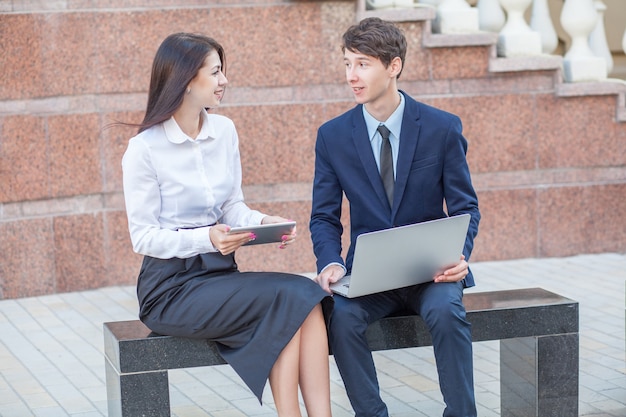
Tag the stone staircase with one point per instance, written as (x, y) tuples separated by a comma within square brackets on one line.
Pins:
[(548, 158)]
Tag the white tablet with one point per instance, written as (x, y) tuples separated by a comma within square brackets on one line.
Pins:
[(265, 233)]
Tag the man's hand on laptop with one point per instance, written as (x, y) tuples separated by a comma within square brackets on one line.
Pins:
[(329, 275), (455, 273)]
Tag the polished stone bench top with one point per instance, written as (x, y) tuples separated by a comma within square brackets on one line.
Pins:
[(495, 315), (506, 299)]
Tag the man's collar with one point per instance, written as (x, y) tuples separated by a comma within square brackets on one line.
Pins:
[(393, 123)]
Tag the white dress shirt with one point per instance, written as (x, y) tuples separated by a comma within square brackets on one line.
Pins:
[(176, 187)]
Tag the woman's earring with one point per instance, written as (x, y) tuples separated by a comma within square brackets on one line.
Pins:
[(188, 90)]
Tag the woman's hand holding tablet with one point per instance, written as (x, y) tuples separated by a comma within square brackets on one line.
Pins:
[(266, 233)]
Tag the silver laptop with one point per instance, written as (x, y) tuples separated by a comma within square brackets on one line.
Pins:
[(403, 256)]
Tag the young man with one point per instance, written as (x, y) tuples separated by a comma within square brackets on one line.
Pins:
[(432, 180)]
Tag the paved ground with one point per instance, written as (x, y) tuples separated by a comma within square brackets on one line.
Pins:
[(51, 362)]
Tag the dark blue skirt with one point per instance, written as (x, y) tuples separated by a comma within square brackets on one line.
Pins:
[(251, 315)]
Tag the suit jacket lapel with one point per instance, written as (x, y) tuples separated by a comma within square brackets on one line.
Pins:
[(363, 147), (409, 137)]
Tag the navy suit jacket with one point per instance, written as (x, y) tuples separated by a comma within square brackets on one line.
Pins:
[(431, 169)]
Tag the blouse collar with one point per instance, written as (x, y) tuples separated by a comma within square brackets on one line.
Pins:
[(176, 135)]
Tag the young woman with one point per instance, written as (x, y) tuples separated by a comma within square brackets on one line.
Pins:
[(182, 187)]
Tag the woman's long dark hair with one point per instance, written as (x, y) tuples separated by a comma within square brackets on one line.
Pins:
[(176, 63)]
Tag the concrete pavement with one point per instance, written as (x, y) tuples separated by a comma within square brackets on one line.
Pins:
[(51, 361)]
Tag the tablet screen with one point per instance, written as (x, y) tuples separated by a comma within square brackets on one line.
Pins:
[(265, 233)]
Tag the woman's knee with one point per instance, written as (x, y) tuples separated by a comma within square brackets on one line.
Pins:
[(316, 316)]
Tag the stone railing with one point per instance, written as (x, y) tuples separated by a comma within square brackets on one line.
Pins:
[(524, 28)]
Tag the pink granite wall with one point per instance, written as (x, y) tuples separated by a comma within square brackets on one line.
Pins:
[(549, 160)]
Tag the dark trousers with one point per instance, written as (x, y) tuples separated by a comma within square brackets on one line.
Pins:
[(441, 307)]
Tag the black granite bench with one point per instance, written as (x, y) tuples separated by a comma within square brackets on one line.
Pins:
[(537, 329)]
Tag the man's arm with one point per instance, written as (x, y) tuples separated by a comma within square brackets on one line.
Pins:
[(325, 224), (459, 192)]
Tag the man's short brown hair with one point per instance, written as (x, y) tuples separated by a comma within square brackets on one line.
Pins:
[(376, 38)]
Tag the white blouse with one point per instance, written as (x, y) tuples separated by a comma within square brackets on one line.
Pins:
[(175, 187)]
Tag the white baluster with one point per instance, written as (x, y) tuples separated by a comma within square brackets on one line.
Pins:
[(624, 42), (517, 38), (456, 16), (491, 17), (597, 39), (540, 21), (578, 19)]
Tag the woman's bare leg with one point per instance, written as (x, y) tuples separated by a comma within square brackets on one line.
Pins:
[(314, 372), (303, 361), (284, 379)]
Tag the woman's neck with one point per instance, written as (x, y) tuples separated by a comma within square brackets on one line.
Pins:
[(189, 122)]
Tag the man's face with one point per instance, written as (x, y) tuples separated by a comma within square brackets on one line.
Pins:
[(367, 77)]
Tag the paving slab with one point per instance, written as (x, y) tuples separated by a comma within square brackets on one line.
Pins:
[(52, 363)]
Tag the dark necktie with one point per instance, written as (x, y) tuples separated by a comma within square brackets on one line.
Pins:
[(386, 163)]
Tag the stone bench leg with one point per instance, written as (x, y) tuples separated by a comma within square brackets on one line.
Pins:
[(137, 394), (539, 376)]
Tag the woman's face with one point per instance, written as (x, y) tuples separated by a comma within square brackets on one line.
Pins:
[(207, 87)]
